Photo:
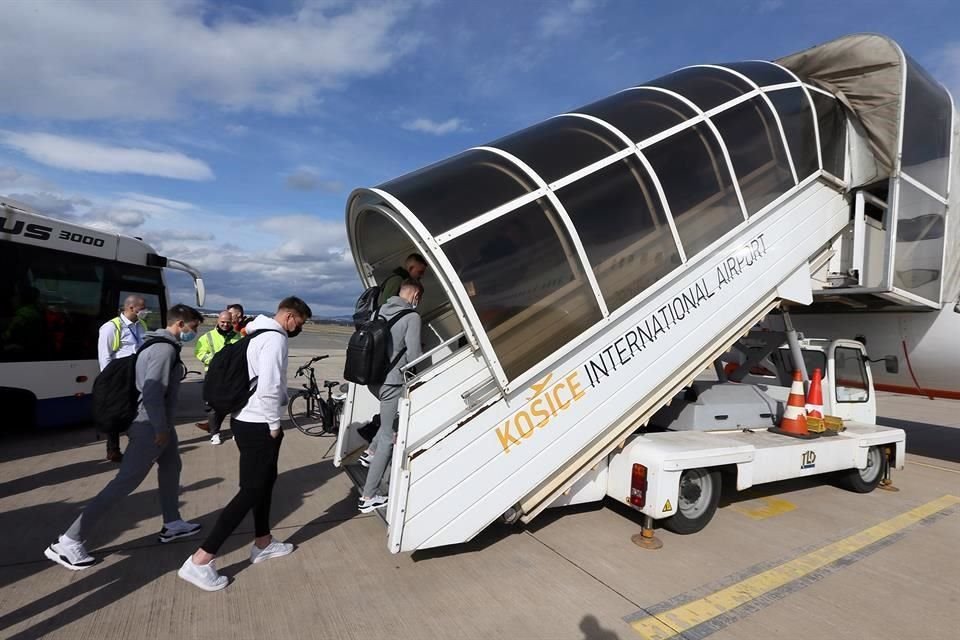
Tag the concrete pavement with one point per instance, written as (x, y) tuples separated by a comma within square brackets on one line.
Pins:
[(572, 574)]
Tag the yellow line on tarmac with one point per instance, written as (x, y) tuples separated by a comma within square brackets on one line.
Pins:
[(679, 619)]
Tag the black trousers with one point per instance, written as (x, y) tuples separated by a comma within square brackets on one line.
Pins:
[(113, 443), (259, 452)]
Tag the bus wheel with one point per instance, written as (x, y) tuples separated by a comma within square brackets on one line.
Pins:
[(698, 499), (866, 480), (20, 409)]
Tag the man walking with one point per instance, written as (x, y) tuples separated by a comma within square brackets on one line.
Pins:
[(405, 339), (413, 269), (239, 320), (207, 347), (152, 439), (119, 338), (256, 430)]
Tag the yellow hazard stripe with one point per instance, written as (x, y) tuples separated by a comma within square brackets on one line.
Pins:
[(679, 619)]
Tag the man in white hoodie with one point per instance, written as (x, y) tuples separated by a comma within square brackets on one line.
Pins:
[(256, 430)]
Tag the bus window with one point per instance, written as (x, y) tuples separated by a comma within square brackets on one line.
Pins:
[(52, 308), (154, 320)]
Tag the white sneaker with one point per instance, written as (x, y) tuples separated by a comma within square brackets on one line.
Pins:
[(273, 550), (215, 439), (204, 576), (369, 504), (69, 553), (366, 458), (179, 529)]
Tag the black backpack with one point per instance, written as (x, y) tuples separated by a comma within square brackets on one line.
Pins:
[(368, 355), (115, 393), (227, 385), (366, 305)]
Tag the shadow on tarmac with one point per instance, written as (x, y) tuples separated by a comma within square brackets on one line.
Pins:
[(592, 630), (101, 586), (928, 440)]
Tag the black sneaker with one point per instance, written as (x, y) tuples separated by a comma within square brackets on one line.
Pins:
[(178, 529)]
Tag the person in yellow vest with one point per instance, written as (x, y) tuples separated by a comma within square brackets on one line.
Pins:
[(121, 337), (207, 347)]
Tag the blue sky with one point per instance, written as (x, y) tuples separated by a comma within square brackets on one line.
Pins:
[(229, 134)]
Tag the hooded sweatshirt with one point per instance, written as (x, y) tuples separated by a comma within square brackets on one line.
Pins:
[(267, 364), (405, 333), (159, 372)]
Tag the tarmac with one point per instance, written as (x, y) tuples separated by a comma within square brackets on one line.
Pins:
[(796, 559)]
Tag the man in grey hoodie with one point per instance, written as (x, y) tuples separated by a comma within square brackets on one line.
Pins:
[(405, 340), (152, 439)]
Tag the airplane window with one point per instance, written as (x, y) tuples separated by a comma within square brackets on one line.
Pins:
[(762, 73), (756, 150), (927, 121), (623, 228), (457, 190), (918, 253), (526, 284), (797, 119), (833, 133), (640, 113), (704, 86), (559, 146), (697, 184)]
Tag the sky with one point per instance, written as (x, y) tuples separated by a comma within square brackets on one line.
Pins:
[(229, 134)]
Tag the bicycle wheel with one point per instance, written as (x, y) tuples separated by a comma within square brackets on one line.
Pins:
[(309, 413)]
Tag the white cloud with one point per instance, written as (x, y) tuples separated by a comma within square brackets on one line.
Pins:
[(78, 154), (426, 125), (86, 59), (563, 20), (309, 179), (769, 6), (256, 262), (237, 130)]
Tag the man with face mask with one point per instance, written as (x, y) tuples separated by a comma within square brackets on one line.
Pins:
[(121, 337), (256, 430), (153, 439), (207, 347), (404, 347)]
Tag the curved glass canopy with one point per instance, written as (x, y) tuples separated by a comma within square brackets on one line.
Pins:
[(551, 230)]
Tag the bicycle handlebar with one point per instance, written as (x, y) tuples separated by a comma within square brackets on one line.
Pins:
[(306, 366)]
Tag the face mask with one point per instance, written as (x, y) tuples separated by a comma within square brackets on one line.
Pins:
[(294, 333), (225, 332), (187, 335), (143, 314)]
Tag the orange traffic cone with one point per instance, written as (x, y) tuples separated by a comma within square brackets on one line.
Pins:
[(815, 396), (794, 422)]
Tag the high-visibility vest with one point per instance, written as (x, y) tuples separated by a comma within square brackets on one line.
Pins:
[(118, 329)]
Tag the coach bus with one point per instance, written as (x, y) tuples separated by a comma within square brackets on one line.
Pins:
[(61, 281)]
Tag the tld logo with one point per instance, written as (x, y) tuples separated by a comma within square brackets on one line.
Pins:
[(808, 460), (32, 231)]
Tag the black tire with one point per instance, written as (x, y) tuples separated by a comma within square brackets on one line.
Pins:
[(697, 502), (867, 479), (309, 414)]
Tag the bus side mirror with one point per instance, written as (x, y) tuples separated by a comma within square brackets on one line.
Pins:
[(201, 291)]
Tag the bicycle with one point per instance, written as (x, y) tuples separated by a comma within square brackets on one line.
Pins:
[(309, 411)]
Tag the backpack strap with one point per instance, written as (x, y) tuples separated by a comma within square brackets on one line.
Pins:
[(392, 321)]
